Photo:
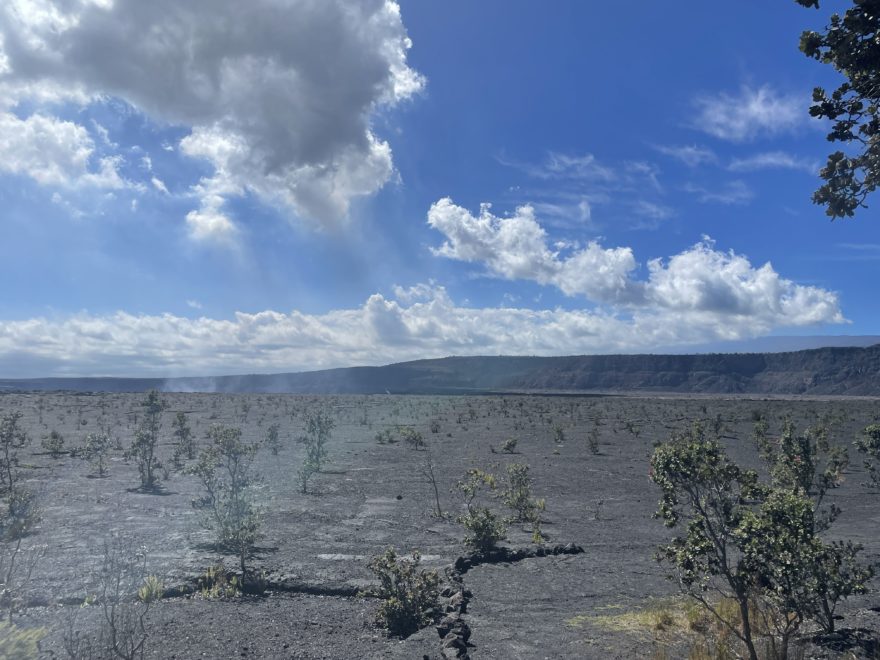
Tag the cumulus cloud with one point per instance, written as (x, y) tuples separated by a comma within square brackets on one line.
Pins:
[(515, 248), (279, 96), (54, 152), (701, 280), (749, 114), (386, 329)]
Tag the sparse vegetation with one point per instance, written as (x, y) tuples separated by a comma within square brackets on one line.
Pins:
[(95, 451), (412, 438), (186, 446), (224, 471), (146, 441), (273, 438), (869, 445), (408, 594), (485, 528), (517, 495), (54, 444)]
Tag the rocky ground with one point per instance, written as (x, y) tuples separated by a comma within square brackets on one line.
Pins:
[(531, 602)]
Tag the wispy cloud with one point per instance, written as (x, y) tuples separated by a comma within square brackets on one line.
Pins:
[(690, 155), (773, 160), (734, 192), (749, 114), (567, 188)]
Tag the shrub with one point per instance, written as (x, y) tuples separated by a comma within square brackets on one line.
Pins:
[(186, 446), (16, 568), (435, 426), (593, 437), (558, 434), (517, 495), (54, 444), (754, 543), (869, 445), (412, 438), (224, 470), (385, 436), (273, 441), (318, 429), (408, 594), (509, 445), (22, 514), (12, 438), (484, 527), (146, 440), (95, 451), (122, 632)]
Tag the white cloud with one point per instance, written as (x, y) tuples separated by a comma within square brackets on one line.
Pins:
[(385, 330), (54, 152), (515, 247), (159, 185), (751, 113), (733, 192), (569, 187), (690, 155), (699, 281), (704, 280), (279, 96), (773, 160)]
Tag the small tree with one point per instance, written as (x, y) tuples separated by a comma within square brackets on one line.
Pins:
[(517, 495), (273, 441), (95, 451), (12, 438), (408, 594), (318, 429), (412, 438), (755, 544), (223, 468), (146, 441), (427, 470), (485, 528), (186, 446)]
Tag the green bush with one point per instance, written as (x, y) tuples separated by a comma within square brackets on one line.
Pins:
[(95, 451), (224, 470), (408, 594), (412, 438), (484, 527), (517, 495), (754, 543), (869, 445), (186, 446), (54, 444), (146, 441)]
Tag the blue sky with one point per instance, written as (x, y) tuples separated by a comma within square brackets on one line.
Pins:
[(204, 188)]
